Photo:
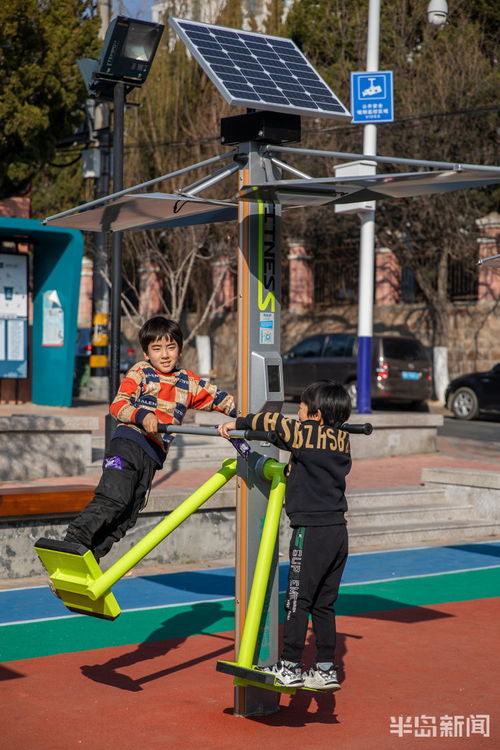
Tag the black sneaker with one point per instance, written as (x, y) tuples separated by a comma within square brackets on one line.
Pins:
[(285, 673), (321, 679)]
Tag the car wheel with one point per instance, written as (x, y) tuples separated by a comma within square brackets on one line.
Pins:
[(464, 404), (352, 390)]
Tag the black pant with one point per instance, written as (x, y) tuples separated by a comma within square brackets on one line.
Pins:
[(318, 555), (119, 496)]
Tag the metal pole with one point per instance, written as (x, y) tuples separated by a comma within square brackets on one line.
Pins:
[(139, 186), (263, 566), (259, 300), (99, 365), (367, 239), (270, 149), (116, 254), (99, 371)]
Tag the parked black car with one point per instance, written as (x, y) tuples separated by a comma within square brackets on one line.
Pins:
[(468, 395), (401, 369)]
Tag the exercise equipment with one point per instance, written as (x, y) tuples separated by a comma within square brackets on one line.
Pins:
[(75, 574), (84, 588), (245, 672)]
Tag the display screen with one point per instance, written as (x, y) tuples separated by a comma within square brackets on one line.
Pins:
[(273, 378)]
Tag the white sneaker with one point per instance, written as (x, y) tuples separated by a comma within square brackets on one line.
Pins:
[(320, 679), (285, 674)]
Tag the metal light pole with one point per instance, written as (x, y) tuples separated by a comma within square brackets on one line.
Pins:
[(116, 255), (367, 242), (437, 14), (128, 52), (99, 363)]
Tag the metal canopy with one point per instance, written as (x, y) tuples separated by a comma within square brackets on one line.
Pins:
[(259, 70), (318, 192), (148, 211)]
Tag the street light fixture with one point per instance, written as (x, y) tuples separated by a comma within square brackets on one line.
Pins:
[(128, 51), (127, 54)]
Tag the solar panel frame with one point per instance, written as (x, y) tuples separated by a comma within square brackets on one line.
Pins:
[(276, 65)]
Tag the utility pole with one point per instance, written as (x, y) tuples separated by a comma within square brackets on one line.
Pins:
[(99, 362)]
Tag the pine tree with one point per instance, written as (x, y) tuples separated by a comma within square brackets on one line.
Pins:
[(42, 91)]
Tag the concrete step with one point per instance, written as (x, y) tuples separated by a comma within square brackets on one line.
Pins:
[(401, 516), (164, 501), (390, 496), (442, 532)]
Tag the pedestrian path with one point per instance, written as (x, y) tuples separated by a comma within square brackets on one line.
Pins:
[(35, 623)]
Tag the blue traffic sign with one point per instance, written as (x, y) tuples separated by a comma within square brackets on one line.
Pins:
[(372, 98)]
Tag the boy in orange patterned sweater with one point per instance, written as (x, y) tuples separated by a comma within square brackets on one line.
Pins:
[(153, 391)]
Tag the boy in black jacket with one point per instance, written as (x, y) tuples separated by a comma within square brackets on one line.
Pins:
[(315, 503)]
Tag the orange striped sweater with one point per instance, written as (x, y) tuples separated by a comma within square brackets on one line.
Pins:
[(145, 390)]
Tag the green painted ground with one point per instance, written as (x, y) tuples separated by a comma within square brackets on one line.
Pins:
[(80, 633)]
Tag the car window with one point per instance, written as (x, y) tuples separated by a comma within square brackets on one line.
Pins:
[(395, 348), (339, 345), (310, 347)]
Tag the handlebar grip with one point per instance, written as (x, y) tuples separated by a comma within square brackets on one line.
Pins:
[(268, 437), (358, 429)]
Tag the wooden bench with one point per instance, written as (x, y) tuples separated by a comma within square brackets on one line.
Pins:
[(39, 500)]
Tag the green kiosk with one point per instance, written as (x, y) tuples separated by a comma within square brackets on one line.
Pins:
[(57, 260)]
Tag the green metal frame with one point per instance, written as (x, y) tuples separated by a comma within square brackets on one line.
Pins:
[(245, 673), (77, 577), (84, 588)]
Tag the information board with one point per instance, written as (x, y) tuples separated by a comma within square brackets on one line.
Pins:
[(13, 315)]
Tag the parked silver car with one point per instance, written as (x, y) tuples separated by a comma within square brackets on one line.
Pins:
[(401, 367)]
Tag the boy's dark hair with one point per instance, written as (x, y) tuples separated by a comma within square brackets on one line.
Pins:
[(331, 398), (157, 328)]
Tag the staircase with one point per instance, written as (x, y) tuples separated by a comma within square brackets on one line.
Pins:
[(407, 516)]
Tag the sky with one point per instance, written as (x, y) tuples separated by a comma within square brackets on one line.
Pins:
[(133, 9)]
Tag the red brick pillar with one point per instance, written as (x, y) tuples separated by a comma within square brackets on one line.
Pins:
[(488, 244), (150, 290), (221, 275), (387, 278), (300, 276), (85, 300)]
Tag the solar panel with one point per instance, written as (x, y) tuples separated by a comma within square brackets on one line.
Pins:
[(258, 70)]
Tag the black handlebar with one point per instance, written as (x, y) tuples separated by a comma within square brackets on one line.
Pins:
[(268, 436), (365, 428)]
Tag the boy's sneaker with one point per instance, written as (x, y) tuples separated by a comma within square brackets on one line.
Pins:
[(321, 679), (286, 673)]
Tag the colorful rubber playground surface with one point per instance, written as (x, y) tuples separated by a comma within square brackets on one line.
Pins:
[(418, 655)]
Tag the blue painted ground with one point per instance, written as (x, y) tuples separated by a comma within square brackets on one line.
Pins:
[(146, 592)]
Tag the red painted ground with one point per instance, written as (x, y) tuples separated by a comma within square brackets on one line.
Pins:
[(432, 661)]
